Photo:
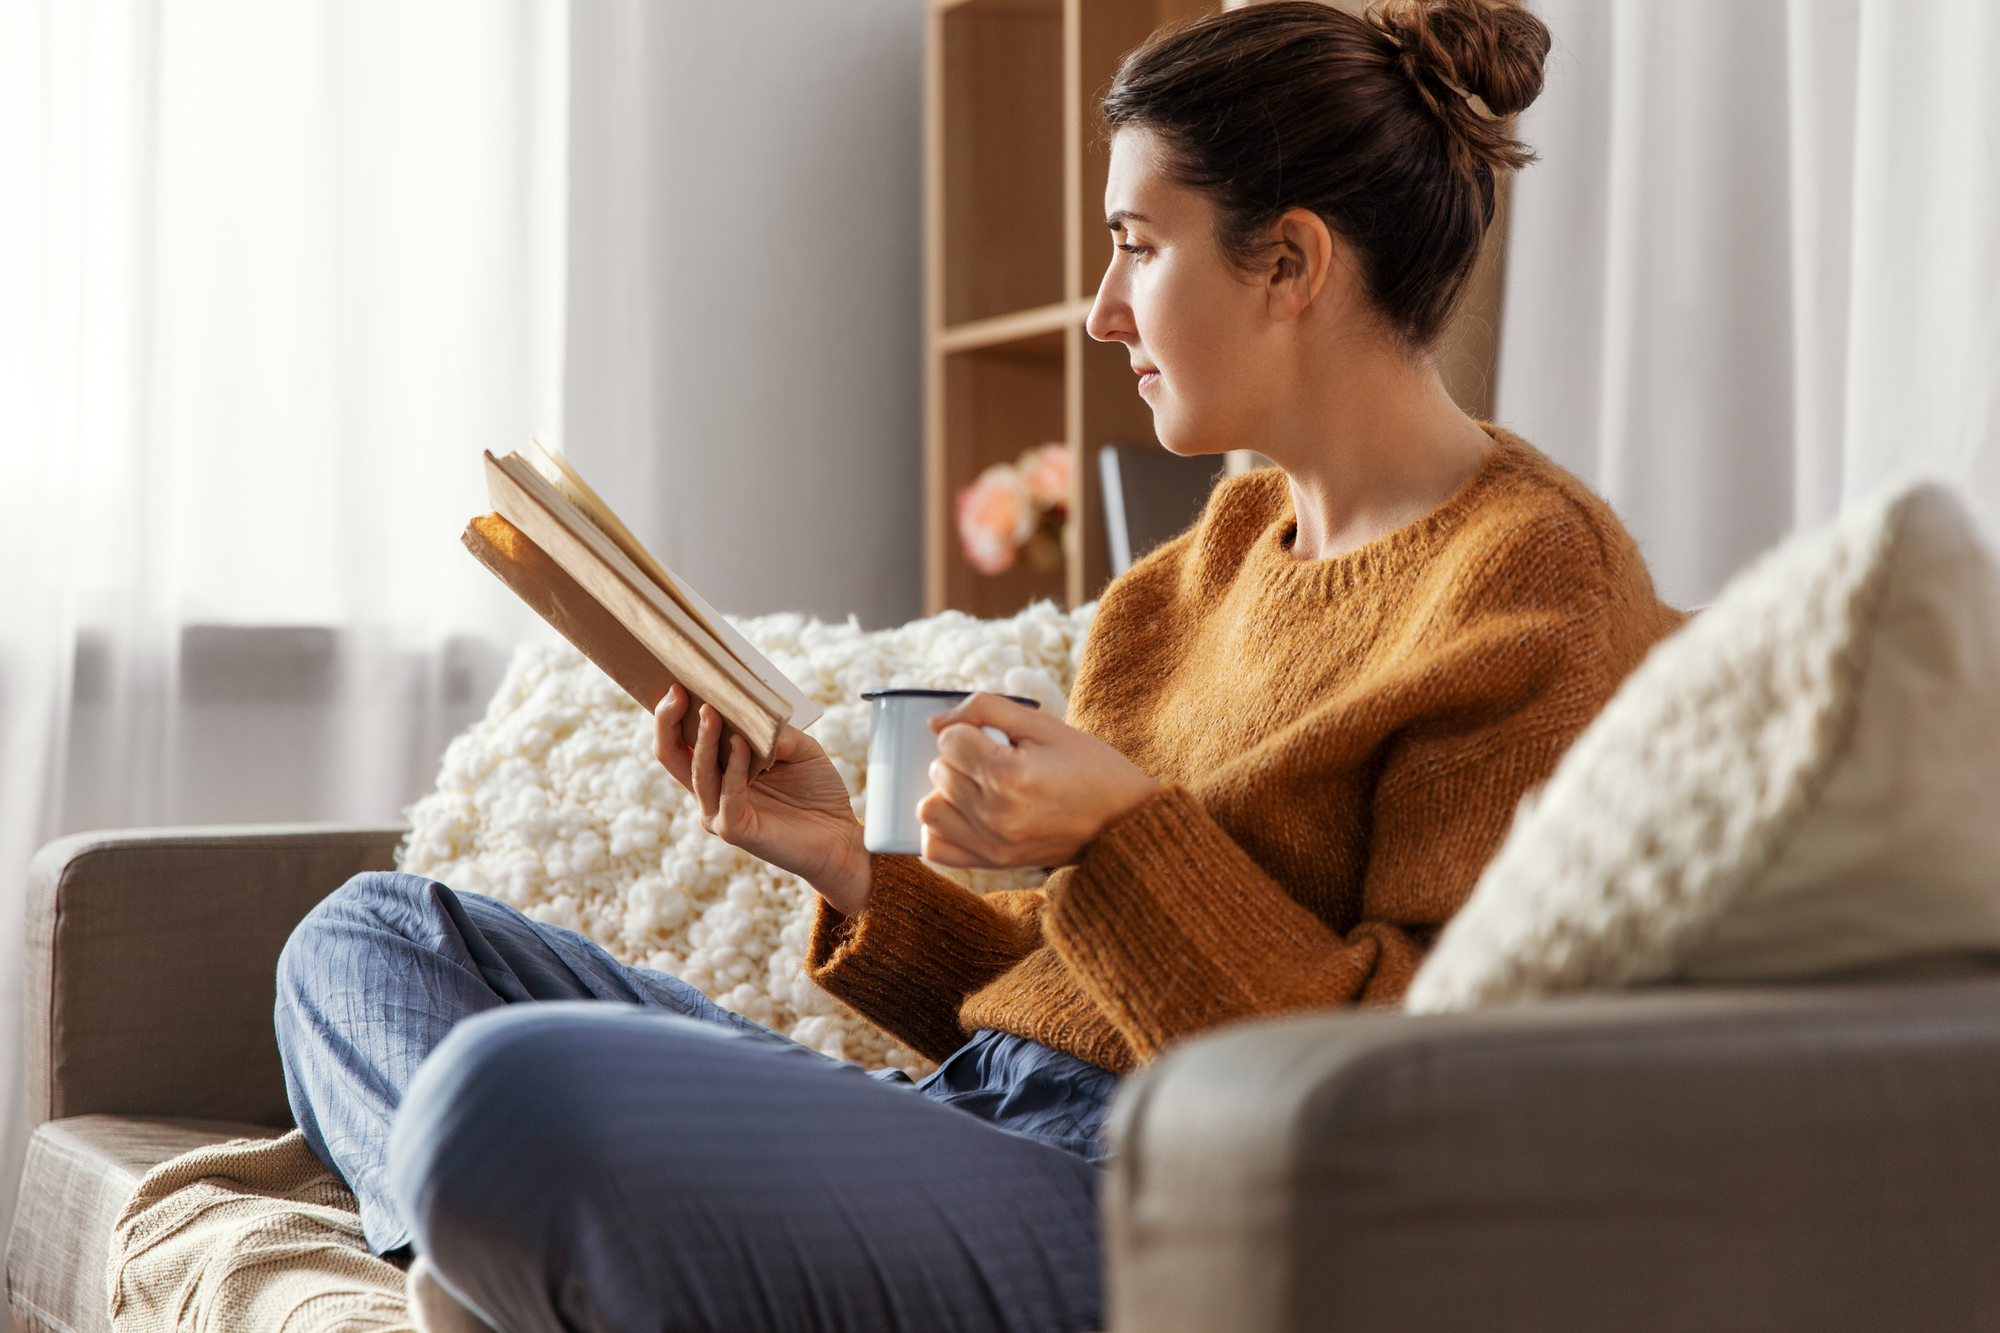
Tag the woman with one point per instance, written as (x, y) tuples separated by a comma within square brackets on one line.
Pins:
[(1297, 734)]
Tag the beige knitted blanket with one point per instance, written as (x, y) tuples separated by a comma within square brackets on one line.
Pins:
[(253, 1234)]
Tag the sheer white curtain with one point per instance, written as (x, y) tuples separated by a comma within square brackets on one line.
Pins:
[(1756, 272), (272, 272)]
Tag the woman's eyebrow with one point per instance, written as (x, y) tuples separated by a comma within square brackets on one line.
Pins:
[(1120, 217)]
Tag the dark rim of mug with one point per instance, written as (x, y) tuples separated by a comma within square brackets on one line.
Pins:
[(943, 694)]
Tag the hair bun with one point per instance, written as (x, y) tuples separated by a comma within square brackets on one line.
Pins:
[(1454, 49)]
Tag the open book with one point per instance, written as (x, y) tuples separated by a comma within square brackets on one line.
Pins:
[(564, 553)]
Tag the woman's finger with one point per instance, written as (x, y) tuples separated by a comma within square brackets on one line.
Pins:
[(947, 853), (707, 780), (668, 746), (991, 710), (735, 780), (794, 746), (940, 817), (955, 785), (971, 751), (993, 818)]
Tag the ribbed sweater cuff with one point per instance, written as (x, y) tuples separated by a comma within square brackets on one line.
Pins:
[(1172, 928), (913, 955)]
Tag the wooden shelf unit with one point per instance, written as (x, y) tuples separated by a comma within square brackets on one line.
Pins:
[(1014, 246)]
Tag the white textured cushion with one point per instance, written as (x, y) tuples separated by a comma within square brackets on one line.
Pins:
[(1804, 781), (553, 803)]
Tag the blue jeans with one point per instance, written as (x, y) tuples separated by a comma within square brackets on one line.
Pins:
[(658, 1162)]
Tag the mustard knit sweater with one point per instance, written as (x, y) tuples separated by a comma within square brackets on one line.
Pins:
[(1342, 744)]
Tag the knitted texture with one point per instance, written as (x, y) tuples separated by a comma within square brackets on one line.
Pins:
[(1342, 741), (554, 804), (249, 1234), (1685, 802)]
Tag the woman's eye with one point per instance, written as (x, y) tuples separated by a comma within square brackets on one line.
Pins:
[(1139, 252)]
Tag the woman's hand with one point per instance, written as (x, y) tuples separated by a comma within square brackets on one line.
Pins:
[(1037, 802), (796, 815)]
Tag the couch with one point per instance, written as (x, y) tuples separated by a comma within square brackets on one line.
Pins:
[(1823, 1157), (150, 979)]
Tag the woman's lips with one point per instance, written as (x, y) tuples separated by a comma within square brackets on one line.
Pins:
[(1147, 378)]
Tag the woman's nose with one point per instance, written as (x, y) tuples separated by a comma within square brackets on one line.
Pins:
[(1110, 317)]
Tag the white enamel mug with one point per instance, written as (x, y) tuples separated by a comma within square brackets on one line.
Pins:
[(901, 746)]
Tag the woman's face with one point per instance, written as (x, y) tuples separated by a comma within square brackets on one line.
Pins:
[(1195, 324)]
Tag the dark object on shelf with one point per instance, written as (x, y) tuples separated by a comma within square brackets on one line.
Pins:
[(1149, 496)]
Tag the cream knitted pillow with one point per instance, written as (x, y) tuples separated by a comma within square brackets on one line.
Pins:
[(1804, 781), (553, 803)]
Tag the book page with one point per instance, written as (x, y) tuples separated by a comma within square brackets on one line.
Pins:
[(569, 483), (804, 710), (556, 470)]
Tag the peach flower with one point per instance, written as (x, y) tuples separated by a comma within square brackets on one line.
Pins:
[(1049, 469), (996, 515)]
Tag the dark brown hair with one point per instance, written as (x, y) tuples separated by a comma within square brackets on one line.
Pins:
[(1363, 120)]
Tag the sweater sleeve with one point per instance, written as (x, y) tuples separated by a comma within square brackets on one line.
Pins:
[(1408, 701), (1171, 928), (919, 948)]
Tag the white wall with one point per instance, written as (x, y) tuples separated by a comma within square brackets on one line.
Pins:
[(744, 293)]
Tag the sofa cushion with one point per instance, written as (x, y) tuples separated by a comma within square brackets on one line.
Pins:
[(152, 955), (78, 1175), (553, 803), (1804, 781)]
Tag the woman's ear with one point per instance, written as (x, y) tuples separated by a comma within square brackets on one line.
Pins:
[(1306, 253)]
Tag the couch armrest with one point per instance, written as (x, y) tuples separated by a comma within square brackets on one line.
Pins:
[(1812, 1158), (152, 957)]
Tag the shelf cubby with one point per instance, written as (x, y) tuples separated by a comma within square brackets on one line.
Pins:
[(1014, 246), (1000, 400), (1001, 97)]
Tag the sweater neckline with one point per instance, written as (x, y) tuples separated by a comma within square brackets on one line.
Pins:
[(1391, 551)]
